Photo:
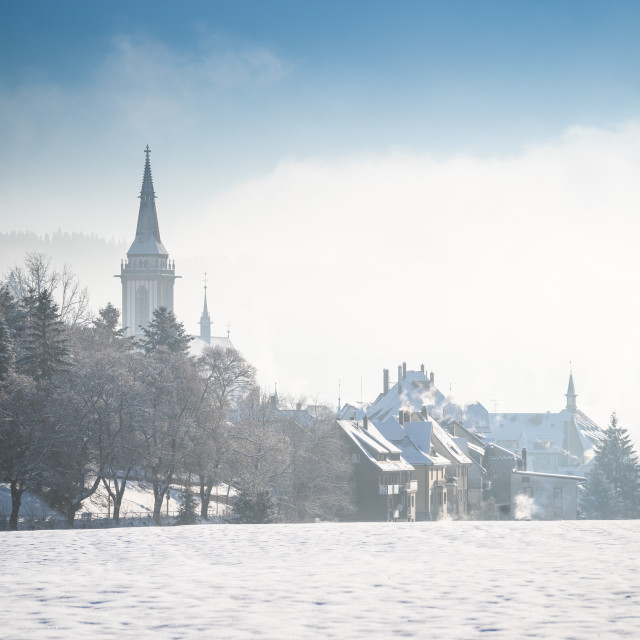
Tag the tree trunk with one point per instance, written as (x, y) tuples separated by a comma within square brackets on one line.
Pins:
[(16, 498), (157, 507), (205, 498), (71, 515)]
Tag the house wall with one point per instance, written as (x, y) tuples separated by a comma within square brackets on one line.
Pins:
[(554, 498)]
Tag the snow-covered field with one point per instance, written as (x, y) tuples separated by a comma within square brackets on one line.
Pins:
[(442, 580)]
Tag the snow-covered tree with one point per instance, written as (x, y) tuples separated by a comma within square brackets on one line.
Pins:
[(25, 437), (164, 330), (38, 275), (226, 376), (6, 349), (44, 343), (253, 506), (187, 512), (613, 483)]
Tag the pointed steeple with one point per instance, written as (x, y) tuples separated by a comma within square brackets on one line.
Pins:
[(571, 394), (147, 242), (205, 320)]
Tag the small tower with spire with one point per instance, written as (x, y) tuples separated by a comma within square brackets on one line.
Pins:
[(205, 320), (147, 275), (571, 394)]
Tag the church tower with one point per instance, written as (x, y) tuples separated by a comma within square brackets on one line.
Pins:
[(205, 320), (571, 395), (147, 275)]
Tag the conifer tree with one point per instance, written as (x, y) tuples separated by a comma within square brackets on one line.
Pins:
[(613, 484), (107, 321), (188, 509), (253, 506), (165, 331), (6, 349), (44, 344)]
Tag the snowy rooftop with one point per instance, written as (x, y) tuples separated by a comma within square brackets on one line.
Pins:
[(373, 444), (545, 429)]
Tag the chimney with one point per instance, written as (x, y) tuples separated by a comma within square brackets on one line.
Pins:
[(407, 416), (365, 422), (432, 378), (524, 458), (401, 417), (399, 379), (385, 381), (423, 411), (404, 370), (422, 369), (298, 406)]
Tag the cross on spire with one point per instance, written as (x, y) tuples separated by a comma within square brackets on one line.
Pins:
[(147, 151), (205, 281)]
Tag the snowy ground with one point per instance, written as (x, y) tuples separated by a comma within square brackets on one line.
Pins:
[(444, 580), (137, 502)]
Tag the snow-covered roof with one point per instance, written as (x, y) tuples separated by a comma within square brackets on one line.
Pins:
[(448, 447), (415, 391), (198, 344), (543, 431), (374, 445), (559, 476)]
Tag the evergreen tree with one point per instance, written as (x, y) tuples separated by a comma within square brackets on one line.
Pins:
[(613, 484), (188, 508), (44, 344), (253, 507), (601, 500), (6, 349), (107, 321), (165, 331), (10, 327)]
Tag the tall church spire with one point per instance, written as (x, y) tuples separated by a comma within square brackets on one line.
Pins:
[(571, 394), (147, 275), (147, 241), (205, 320)]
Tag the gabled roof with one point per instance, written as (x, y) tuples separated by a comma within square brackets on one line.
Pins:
[(372, 444), (448, 447)]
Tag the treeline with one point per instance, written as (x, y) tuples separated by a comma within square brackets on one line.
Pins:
[(83, 406)]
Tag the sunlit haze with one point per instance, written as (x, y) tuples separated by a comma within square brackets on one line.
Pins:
[(447, 183)]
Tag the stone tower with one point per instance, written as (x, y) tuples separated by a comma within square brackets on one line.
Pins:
[(147, 275)]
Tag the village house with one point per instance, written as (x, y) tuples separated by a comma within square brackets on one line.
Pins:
[(548, 496), (384, 483), (560, 443)]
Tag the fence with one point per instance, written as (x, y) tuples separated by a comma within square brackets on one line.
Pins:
[(30, 522)]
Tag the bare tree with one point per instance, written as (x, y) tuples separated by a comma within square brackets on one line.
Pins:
[(38, 275), (173, 391), (226, 378), (24, 439)]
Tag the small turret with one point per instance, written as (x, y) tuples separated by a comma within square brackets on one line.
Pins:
[(205, 320), (571, 395)]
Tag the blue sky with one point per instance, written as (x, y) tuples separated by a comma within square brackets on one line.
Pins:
[(445, 76), (476, 161)]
